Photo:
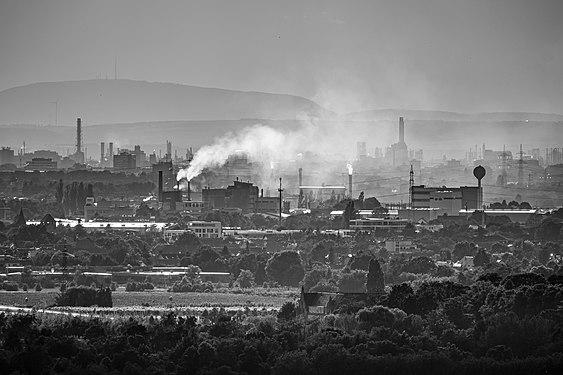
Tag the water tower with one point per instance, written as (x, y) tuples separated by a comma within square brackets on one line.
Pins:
[(479, 172)]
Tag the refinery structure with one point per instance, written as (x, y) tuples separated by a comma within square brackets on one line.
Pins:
[(413, 189)]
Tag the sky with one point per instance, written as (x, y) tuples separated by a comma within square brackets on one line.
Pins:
[(453, 55)]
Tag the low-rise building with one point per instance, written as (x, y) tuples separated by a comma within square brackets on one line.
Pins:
[(399, 245), (378, 223), (108, 209), (202, 229)]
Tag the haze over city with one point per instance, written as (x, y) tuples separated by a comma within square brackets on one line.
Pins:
[(451, 55), (281, 187)]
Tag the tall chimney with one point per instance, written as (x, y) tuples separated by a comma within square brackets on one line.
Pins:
[(189, 191), (300, 176), (102, 152), (159, 186), (78, 135), (111, 154), (350, 185), (401, 130)]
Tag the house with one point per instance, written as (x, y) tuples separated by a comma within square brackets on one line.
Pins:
[(49, 223), (465, 262), (317, 304)]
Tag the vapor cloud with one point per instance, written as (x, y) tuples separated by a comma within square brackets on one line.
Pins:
[(269, 146)]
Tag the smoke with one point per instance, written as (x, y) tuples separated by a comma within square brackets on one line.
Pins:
[(350, 168), (258, 142), (271, 146)]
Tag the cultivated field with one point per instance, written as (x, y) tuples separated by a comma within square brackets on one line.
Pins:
[(158, 298)]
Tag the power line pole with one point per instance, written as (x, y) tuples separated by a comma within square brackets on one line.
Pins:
[(280, 191)]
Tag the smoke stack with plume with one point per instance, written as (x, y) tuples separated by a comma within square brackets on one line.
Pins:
[(261, 143), (350, 171)]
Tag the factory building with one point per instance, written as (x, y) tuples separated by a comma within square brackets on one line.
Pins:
[(445, 200), (241, 195), (124, 160), (41, 164), (108, 209), (6, 155)]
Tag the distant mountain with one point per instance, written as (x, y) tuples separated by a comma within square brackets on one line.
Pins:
[(126, 101), (394, 114)]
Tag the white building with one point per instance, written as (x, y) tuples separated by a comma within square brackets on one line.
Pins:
[(202, 229)]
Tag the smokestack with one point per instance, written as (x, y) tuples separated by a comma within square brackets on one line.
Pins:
[(262, 193), (300, 176), (102, 152), (189, 191), (350, 185), (111, 154), (78, 135), (159, 185), (401, 130)]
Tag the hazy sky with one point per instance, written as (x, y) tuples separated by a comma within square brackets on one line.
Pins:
[(471, 55)]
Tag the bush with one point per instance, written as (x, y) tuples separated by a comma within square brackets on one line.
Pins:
[(47, 282), (185, 285), (245, 279), (133, 286), (85, 296), (10, 286)]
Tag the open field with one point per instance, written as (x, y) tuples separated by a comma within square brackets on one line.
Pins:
[(159, 298)]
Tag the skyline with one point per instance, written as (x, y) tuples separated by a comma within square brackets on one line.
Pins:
[(483, 56)]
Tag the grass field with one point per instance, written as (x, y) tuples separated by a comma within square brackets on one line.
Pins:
[(159, 298)]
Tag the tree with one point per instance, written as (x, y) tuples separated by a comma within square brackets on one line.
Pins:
[(419, 265), (481, 259), (360, 261), (549, 230), (348, 214), (285, 268), (462, 249), (189, 241), (315, 276), (375, 280), (245, 279), (352, 282), (59, 193)]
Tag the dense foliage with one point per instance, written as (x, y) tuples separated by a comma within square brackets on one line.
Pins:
[(511, 325), (85, 296)]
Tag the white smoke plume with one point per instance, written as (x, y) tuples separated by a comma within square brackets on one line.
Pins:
[(331, 139), (350, 168), (260, 143)]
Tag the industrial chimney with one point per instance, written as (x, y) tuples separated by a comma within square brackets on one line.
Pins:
[(78, 135), (300, 177), (189, 191), (102, 152), (111, 154), (401, 130), (159, 185), (350, 185)]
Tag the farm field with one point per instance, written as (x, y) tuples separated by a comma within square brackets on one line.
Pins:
[(159, 298)]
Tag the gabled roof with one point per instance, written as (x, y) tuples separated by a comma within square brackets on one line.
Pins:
[(48, 219), (20, 219)]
